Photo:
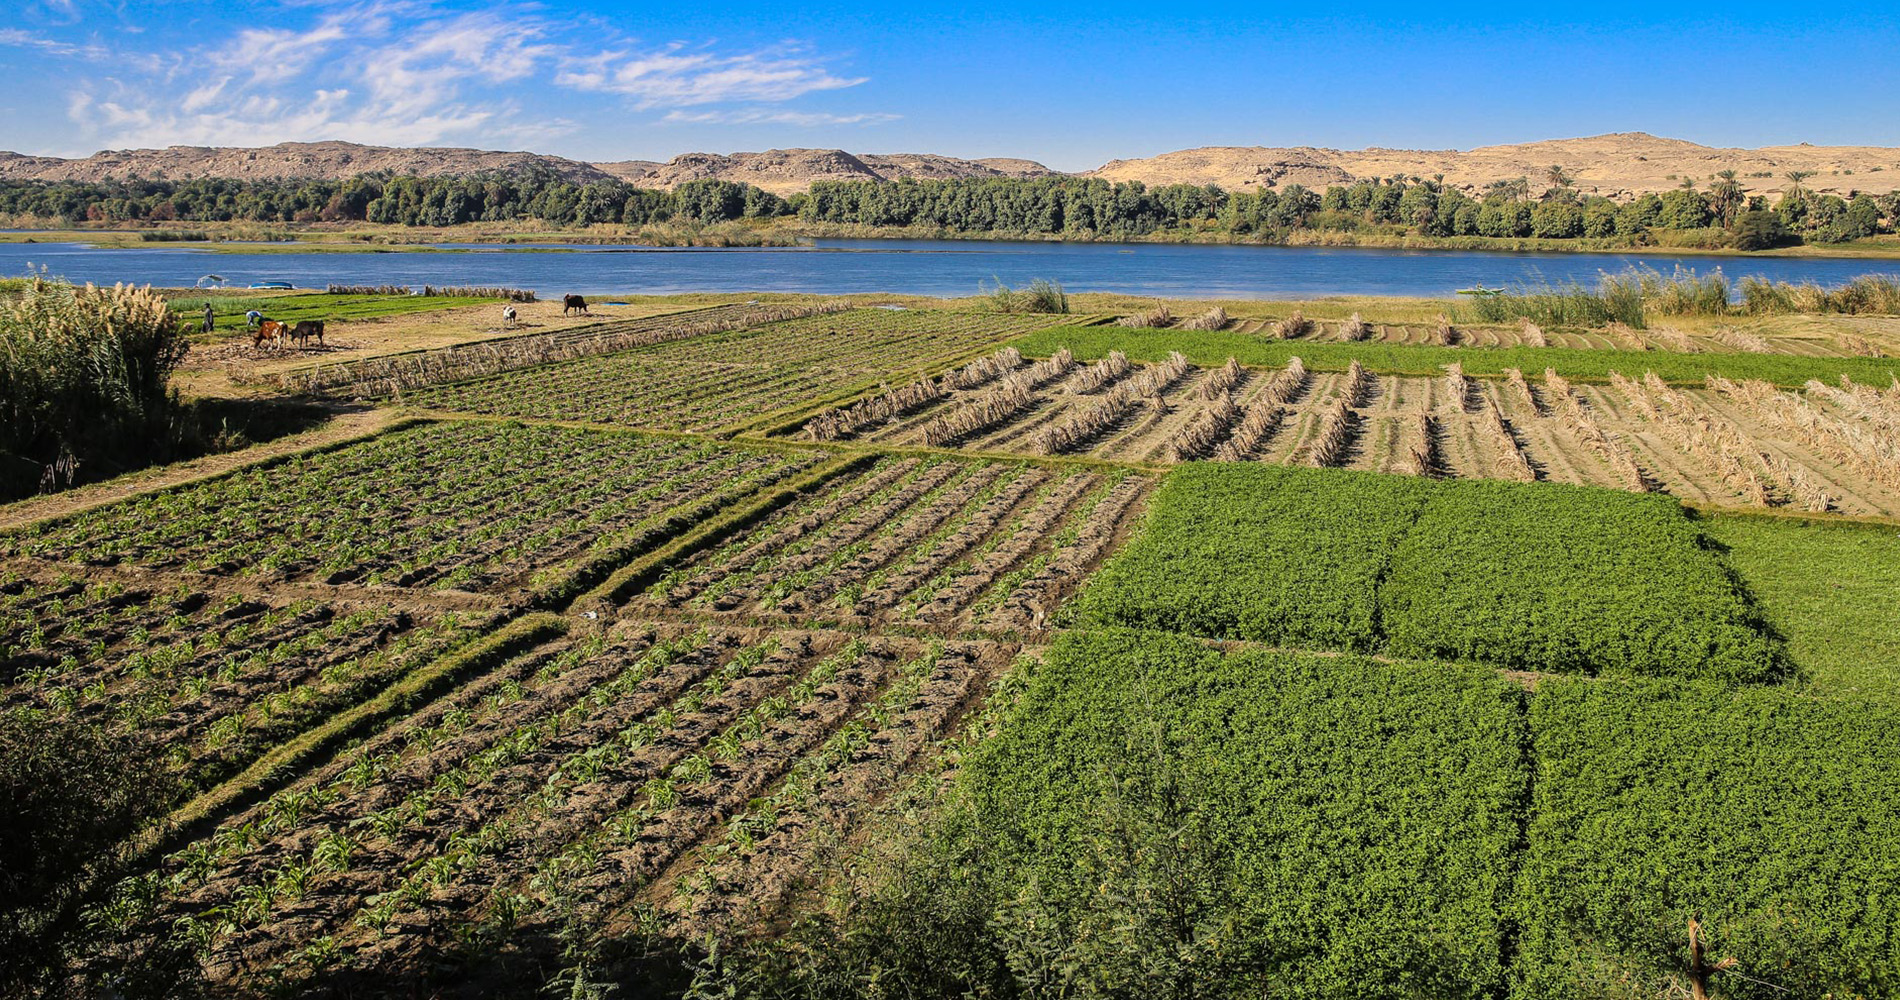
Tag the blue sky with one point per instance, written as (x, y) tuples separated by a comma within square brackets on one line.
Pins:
[(1070, 85)]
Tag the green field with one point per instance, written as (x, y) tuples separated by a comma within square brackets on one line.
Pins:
[(1589, 365), (1530, 577), (1829, 588)]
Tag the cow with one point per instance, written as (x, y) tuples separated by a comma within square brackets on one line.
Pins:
[(507, 316), (269, 330), (305, 329), (574, 302)]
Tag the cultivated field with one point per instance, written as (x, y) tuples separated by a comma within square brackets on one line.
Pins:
[(793, 648)]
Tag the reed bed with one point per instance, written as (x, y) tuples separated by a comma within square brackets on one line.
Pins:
[(1213, 319), (1616, 298), (1684, 293), (1100, 374), (1293, 327), (1875, 294), (1223, 380), (1154, 318), (1355, 329), (1203, 434), (834, 424), (389, 376), (984, 370)]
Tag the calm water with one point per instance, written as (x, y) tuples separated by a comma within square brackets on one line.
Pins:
[(924, 267)]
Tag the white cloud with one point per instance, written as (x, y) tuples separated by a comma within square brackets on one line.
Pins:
[(682, 76), (767, 116), (406, 72)]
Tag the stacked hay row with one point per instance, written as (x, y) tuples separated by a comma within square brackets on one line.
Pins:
[(834, 424)]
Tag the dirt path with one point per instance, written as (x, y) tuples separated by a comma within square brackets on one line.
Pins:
[(347, 424)]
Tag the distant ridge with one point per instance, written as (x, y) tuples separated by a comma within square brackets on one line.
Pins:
[(1617, 165)]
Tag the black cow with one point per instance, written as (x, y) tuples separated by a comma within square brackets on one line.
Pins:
[(574, 302), (306, 329)]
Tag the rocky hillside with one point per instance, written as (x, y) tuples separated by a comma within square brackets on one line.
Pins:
[(782, 171), (1616, 165)]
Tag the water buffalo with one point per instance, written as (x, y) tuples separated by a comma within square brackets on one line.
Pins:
[(574, 302)]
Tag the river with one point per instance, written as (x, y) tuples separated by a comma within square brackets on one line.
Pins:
[(923, 267)]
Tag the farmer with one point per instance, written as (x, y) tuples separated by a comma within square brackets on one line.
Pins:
[(208, 318), (252, 318)]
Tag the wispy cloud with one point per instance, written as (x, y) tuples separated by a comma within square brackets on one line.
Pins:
[(681, 76), (409, 72), (767, 116)]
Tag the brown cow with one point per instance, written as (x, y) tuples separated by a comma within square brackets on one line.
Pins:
[(305, 329), (269, 330)]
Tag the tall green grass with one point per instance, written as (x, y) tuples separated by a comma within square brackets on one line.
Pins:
[(84, 372), (1869, 293), (1615, 299)]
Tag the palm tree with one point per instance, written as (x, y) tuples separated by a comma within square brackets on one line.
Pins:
[(1794, 188), (1557, 176), (1725, 196)]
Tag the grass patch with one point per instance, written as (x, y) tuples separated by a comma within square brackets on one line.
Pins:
[(229, 310), (1829, 588)]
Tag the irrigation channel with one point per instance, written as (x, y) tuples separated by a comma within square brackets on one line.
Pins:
[(922, 267)]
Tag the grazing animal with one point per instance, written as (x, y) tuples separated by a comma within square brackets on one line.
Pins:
[(507, 314), (269, 330), (305, 329), (574, 302)]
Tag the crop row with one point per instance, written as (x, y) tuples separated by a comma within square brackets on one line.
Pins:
[(472, 506), (1533, 577), (707, 382), (576, 782), (209, 680), (930, 542)]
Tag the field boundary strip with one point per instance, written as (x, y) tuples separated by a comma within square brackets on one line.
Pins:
[(335, 593), (505, 641)]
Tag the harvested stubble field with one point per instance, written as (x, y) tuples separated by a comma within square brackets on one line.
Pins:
[(1818, 448), (825, 653)]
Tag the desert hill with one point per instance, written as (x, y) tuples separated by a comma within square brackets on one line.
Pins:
[(1617, 165)]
